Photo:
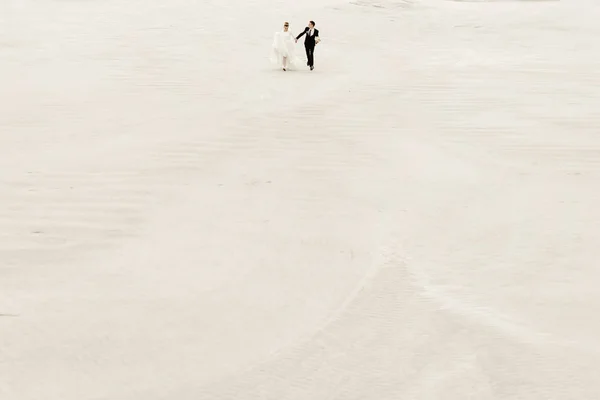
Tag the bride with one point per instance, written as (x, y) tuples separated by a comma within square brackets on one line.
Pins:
[(283, 48)]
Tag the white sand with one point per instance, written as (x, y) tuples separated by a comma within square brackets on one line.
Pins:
[(418, 218)]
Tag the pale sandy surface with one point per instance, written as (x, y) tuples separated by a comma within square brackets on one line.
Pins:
[(418, 218)]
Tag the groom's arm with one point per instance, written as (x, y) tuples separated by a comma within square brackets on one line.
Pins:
[(300, 35)]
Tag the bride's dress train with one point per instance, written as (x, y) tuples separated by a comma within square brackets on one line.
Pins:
[(284, 47)]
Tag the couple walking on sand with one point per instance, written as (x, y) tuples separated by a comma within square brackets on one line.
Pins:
[(283, 46)]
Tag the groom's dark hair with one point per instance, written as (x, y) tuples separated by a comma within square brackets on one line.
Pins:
[(312, 22)]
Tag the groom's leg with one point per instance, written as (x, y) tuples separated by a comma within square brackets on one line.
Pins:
[(308, 56)]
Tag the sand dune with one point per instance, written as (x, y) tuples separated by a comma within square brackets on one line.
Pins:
[(415, 219)]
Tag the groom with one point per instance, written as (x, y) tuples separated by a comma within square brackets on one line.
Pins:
[(311, 39)]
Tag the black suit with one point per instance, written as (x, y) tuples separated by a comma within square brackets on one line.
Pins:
[(309, 44)]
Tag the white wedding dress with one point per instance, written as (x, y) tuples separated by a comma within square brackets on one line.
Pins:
[(284, 47)]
